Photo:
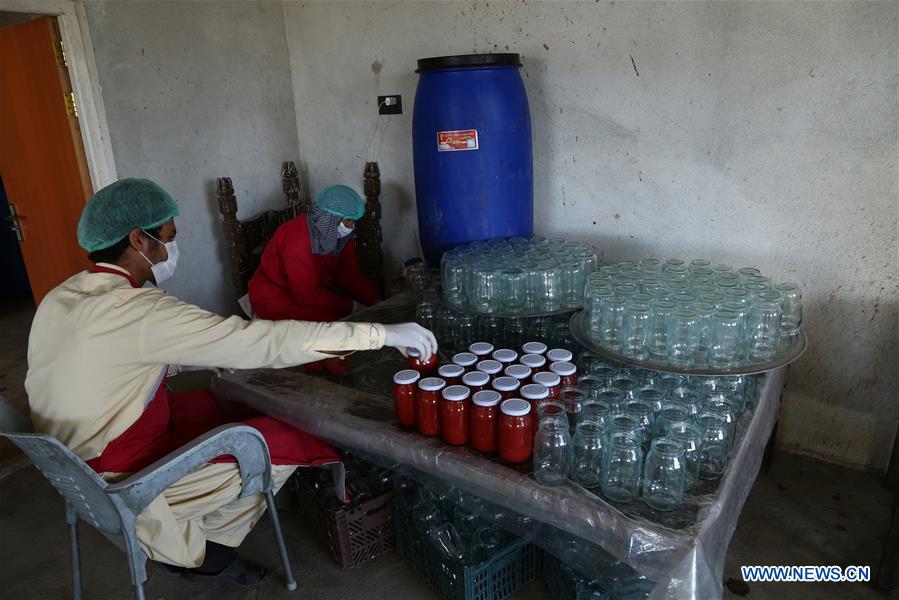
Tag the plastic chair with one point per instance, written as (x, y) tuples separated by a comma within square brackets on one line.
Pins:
[(113, 508)]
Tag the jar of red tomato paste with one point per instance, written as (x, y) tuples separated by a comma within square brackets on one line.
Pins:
[(534, 393), (405, 395), (551, 381), (454, 414), (559, 355), (535, 362), (466, 360), (515, 440), (534, 348), (451, 374), (491, 367), (427, 368), (566, 371), (427, 415), (481, 349), (505, 356), (484, 420), (476, 381), (506, 386), (519, 372)]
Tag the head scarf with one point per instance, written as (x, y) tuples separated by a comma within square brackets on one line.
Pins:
[(323, 232)]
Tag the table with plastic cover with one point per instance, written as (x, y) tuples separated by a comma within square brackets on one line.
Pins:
[(682, 551)]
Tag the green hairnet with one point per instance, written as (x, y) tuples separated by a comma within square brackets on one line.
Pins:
[(115, 210), (342, 201)]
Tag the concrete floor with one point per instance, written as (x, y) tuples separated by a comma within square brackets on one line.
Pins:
[(802, 512)]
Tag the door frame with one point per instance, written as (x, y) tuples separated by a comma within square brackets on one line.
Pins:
[(82, 68)]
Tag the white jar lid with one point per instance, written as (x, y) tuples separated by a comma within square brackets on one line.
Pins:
[(518, 371), (547, 379), (456, 393), (486, 398), (431, 384), (563, 369), (476, 378), (481, 348), (505, 355), (450, 371), (406, 377), (559, 355), (466, 359), (534, 391), (534, 348), (491, 367), (505, 384), (534, 361), (515, 407)]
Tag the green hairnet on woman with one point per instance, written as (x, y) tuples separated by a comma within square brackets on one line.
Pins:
[(309, 269)]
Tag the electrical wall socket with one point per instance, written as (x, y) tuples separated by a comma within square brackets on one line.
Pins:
[(390, 105)]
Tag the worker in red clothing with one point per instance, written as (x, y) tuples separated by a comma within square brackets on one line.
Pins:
[(309, 270)]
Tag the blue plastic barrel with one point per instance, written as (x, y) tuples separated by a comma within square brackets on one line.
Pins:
[(471, 133)]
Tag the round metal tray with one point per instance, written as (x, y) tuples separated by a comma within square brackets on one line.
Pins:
[(785, 355), (465, 309)]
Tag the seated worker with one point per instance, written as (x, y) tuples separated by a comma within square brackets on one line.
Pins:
[(309, 269), (99, 350)]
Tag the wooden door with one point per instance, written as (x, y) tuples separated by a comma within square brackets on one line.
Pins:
[(41, 155)]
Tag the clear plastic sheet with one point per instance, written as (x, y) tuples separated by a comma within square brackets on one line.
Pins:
[(683, 551)]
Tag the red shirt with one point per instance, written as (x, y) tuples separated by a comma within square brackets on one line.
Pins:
[(293, 283)]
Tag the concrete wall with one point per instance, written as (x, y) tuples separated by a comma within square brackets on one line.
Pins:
[(195, 91), (760, 134)]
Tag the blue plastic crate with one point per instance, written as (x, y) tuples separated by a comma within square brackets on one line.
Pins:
[(562, 586), (515, 565)]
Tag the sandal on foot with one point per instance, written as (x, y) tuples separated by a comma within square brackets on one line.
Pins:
[(238, 574)]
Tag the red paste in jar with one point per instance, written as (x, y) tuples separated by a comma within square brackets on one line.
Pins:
[(427, 368), (552, 382), (454, 415), (484, 420), (451, 374), (515, 440), (405, 396), (427, 414), (566, 371), (506, 386)]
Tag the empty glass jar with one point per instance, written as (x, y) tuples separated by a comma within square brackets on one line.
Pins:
[(664, 475), (683, 337), (725, 339), (714, 450), (586, 467), (552, 451), (763, 326), (791, 308), (622, 466)]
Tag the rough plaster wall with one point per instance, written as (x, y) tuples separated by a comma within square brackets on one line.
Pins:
[(760, 134), (195, 91)]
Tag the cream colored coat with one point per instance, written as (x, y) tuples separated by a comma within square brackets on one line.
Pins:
[(97, 352)]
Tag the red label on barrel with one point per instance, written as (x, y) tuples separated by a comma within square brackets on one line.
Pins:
[(452, 141)]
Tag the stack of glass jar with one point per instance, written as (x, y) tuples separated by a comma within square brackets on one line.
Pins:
[(690, 314), (627, 431), (456, 330), (488, 398), (517, 276)]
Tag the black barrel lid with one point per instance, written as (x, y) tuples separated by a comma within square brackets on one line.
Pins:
[(469, 60)]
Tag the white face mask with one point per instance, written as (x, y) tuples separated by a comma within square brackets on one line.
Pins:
[(343, 230), (165, 269)]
